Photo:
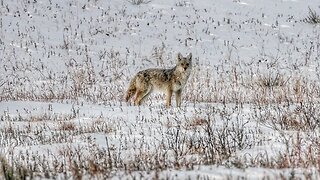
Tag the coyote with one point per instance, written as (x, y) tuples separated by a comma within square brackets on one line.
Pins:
[(165, 80)]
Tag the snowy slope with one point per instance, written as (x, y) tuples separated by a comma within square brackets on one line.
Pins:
[(250, 108)]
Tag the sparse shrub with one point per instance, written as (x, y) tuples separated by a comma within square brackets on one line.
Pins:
[(138, 2), (12, 172), (313, 17), (302, 117), (158, 54), (67, 126), (270, 81), (195, 123), (182, 3)]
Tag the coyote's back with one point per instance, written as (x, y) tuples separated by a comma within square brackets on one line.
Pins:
[(165, 80)]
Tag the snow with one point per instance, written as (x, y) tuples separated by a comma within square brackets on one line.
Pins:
[(249, 110)]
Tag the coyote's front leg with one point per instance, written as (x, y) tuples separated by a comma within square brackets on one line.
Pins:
[(168, 100), (178, 97)]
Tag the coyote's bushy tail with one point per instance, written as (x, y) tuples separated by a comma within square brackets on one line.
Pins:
[(131, 90)]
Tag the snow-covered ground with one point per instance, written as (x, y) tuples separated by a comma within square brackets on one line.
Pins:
[(250, 109)]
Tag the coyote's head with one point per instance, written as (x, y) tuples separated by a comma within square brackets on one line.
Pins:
[(184, 63)]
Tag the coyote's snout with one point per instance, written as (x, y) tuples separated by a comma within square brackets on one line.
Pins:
[(165, 80)]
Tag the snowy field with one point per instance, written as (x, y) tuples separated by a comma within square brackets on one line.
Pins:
[(250, 109)]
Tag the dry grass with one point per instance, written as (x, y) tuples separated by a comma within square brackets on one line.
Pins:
[(67, 126)]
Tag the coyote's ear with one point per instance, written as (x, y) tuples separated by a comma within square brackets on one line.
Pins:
[(179, 57), (189, 57)]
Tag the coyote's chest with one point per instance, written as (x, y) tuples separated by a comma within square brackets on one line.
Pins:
[(179, 81)]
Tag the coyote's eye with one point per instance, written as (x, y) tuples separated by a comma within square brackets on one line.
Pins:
[(187, 64)]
